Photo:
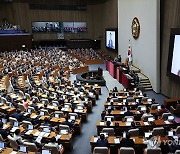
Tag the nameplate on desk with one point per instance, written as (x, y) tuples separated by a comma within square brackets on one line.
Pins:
[(120, 97), (166, 122), (101, 123), (146, 123), (122, 112), (133, 103), (46, 134), (95, 139), (116, 140), (13, 129)]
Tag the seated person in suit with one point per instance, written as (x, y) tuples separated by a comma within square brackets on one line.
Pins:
[(112, 106), (109, 113), (102, 142), (128, 112), (3, 132), (17, 136), (18, 115), (71, 125), (115, 89), (132, 126), (31, 140), (46, 123), (53, 142), (162, 110), (127, 142), (146, 114)]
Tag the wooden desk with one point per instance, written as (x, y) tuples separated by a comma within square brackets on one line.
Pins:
[(171, 102), (9, 150), (145, 128), (139, 145)]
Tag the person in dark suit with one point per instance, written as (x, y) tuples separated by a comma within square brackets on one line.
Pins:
[(18, 115), (115, 89), (3, 132), (102, 142), (71, 125), (31, 140), (128, 112), (127, 142)]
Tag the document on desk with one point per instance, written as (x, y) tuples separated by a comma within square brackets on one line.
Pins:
[(42, 134), (51, 107), (46, 134), (58, 137), (39, 139), (28, 132), (13, 152), (119, 103), (37, 133), (116, 141), (13, 129), (95, 139), (166, 122), (40, 105), (34, 117), (133, 103), (122, 112), (5, 126), (101, 123), (146, 123), (128, 123)]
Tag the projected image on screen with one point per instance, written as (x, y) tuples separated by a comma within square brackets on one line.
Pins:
[(175, 69), (110, 39)]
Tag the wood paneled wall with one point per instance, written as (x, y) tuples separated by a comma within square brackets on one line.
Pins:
[(100, 14), (170, 18)]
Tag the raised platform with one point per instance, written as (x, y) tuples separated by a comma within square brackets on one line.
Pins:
[(86, 77)]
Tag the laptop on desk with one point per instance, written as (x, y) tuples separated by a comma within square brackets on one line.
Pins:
[(23, 148)]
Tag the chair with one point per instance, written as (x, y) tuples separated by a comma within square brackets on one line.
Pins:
[(154, 106), (110, 131), (140, 107), (175, 111), (26, 123), (13, 142), (109, 117), (28, 96), (55, 102), (127, 150), (53, 148), (61, 114), (21, 93), (177, 131), (46, 112), (137, 93), (1, 138), (67, 105), (146, 117), (32, 109), (177, 152), (44, 101), (153, 151), (158, 131), (165, 116), (21, 107), (31, 146), (73, 114), (36, 99), (101, 150), (129, 117), (80, 106), (64, 127), (3, 100), (145, 99), (134, 132), (12, 120), (130, 99)]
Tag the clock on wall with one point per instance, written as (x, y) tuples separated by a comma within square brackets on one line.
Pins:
[(135, 27)]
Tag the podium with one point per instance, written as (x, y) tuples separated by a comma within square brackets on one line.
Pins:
[(126, 80)]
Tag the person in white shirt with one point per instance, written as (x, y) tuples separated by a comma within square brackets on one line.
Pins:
[(146, 114), (17, 136), (152, 143)]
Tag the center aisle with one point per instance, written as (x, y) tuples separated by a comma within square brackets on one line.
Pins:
[(81, 142)]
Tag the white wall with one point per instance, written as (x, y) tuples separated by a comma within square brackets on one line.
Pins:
[(146, 49)]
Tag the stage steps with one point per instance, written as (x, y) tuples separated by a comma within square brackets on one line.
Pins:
[(145, 83)]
